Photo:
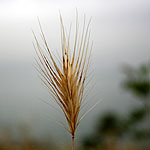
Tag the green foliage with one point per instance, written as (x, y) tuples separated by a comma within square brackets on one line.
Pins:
[(137, 80), (91, 141), (136, 115), (119, 127), (140, 134), (109, 124)]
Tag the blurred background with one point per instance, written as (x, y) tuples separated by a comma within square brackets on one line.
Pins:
[(120, 77)]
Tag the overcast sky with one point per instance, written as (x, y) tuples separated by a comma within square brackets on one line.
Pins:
[(120, 32)]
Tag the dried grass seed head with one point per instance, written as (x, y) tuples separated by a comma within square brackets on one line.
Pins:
[(66, 82)]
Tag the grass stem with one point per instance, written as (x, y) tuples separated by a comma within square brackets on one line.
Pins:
[(72, 142)]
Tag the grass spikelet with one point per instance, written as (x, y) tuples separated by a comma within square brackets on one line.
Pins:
[(66, 81)]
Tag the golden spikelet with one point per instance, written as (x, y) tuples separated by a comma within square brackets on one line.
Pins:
[(66, 82)]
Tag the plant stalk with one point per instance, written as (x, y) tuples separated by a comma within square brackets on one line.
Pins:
[(72, 142)]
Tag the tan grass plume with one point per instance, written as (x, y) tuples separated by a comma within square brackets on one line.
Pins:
[(65, 78)]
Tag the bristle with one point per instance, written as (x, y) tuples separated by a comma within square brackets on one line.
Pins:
[(66, 84)]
